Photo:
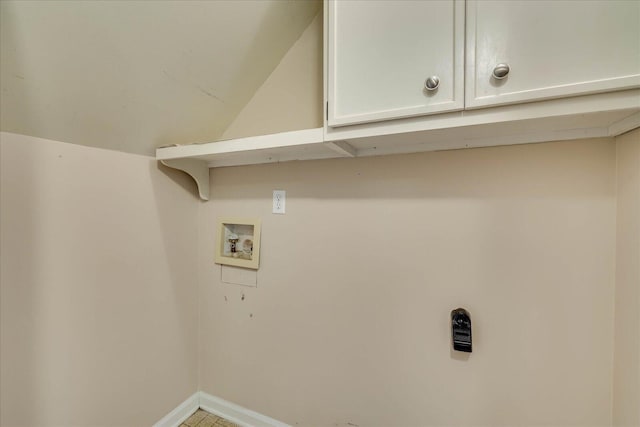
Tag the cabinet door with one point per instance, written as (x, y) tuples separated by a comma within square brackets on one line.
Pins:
[(552, 48), (380, 54)]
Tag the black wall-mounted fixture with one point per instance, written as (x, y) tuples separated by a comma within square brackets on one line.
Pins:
[(461, 330)]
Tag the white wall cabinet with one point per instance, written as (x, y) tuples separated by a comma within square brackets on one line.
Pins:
[(552, 48), (383, 52)]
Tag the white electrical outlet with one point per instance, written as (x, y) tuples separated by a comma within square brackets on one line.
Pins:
[(279, 199)]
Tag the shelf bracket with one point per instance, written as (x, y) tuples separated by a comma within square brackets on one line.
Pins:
[(197, 169), (624, 125), (343, 148)]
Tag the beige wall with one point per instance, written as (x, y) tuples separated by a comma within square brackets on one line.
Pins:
[(291, 98), (349, 322), (626, 386), (98, 286)]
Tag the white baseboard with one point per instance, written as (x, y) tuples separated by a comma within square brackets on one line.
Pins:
[(181, 413), (235, 413), (227, 410)]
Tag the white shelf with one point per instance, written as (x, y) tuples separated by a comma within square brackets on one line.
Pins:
[(590, 116), (235, 152), (196, 159)]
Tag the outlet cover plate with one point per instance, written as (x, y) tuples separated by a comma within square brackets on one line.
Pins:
[(279, 199)]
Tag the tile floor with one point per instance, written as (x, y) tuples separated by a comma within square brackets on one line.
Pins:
[(204, 419)]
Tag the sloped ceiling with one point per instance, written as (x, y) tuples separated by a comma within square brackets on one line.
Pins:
[(135, 75)]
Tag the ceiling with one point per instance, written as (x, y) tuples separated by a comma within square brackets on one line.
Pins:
[(135, 75)]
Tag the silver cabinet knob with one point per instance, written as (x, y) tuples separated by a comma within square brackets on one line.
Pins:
[(501, 71), (432, 83)]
